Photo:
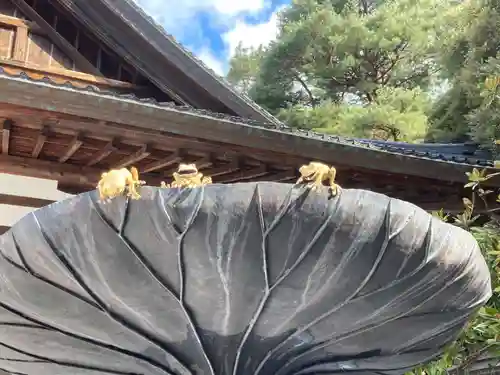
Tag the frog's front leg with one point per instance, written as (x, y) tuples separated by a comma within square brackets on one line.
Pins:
[(130, 184), (190, 182), (334, 188), (317, 181), (176, 180), (193, 181), (198, 180), (176, 183), (102, 196)]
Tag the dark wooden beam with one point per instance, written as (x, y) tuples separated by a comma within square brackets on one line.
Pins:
[(68, 125), (40, 141), (204, 162), (49, 170), (103, 154), (244, 175), (137, 156), (7, 126), (82, 176), (173, 158), (80, 61), (15, 200), (277, 176), (70, 188), (230, 167), (76, 143)]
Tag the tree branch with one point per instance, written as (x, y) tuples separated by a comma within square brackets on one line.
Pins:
[(312, 100)]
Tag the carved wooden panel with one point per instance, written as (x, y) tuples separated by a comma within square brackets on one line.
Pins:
[(8, 32), (22, 41), (52, 42)]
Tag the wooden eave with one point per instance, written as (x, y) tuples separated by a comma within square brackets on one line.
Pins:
[(128, 31), (128, 114)]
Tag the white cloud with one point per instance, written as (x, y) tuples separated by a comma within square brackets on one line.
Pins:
[(233, 7), (175, 15), (251, 35), (210, 60), (229, 15)]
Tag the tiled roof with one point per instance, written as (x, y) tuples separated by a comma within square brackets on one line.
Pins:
[(453, 153), (467, 153), (127, 30)]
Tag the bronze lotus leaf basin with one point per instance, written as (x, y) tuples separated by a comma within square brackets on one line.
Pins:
[(249, 278)]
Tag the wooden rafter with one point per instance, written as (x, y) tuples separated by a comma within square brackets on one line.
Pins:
[(204, 162), (137, 156), (70, 174), (76, 143), (277, 176), (7, 126), (85, 178), (173, 158), (50, 170), (40, 141), (110, 147), (243, 175), (230, 167), (80, 61)]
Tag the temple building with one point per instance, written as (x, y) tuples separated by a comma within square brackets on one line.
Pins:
[(86, 86)]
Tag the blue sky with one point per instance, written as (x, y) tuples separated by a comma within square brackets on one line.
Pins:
[(211, 29)]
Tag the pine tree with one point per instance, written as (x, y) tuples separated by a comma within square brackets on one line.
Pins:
[(467, 111), (352, 67)]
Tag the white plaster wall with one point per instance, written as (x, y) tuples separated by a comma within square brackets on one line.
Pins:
[(26, 187)]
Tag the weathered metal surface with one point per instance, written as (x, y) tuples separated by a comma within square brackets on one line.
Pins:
[(250, 278)]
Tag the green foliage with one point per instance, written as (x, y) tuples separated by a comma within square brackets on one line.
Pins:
[(482, 334), (244, 66), (469, 57), (336, 64), (396, 114), (484, 121), (350, 60)]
